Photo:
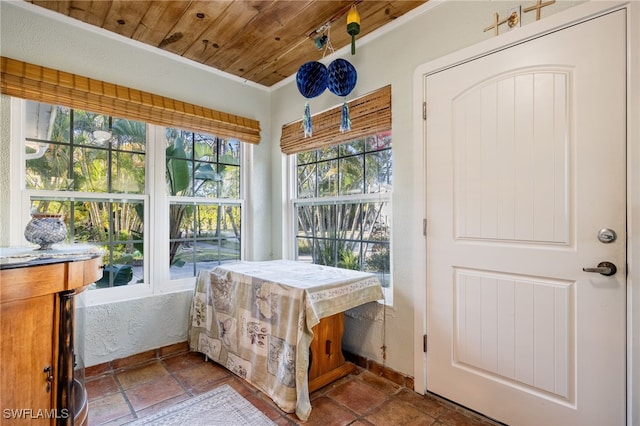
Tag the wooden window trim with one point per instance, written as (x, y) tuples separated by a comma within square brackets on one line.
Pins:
[(370, 114), (47, 85)]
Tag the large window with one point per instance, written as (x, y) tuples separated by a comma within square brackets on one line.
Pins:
[(94, 169), (203, 185), (91, 169), (343, 205)]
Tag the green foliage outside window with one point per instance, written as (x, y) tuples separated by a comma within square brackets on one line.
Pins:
[(84, 152), (202, 167), (339, 223)]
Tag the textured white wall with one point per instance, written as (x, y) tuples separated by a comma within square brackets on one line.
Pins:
[(5, 179), (118, 330)]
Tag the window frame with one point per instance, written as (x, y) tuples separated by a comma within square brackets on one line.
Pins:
[(156, 208)]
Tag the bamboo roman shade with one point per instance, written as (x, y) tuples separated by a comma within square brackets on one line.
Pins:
[(36, 83), (370, 114)]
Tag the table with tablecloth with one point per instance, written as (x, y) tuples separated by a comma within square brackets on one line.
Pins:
[(256, 319)]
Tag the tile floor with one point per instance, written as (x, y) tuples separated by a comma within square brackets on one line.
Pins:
[(121, 392)]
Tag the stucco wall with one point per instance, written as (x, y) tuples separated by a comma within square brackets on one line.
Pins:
[(117, 330), (5, 119)]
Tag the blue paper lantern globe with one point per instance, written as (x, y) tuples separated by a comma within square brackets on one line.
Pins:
[(342, 77), (311, 79)]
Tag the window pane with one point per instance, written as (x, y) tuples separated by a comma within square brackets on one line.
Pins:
[(307, 157), (378, 261), (128, 135), (202, 166), (328, 153), (128, 171), (181, 143), (325, 221), (230, 184), (376, 221), (90, 128), (90, 169), (206, 180), (380, 141), (178, 174), (352, 148), (230, 152), (47, 166), (207, 254), (349, 221), (324, 252), (351, 179), (304, 247), (47, 122), (231, 226), (204, 147), (349, 255), (94, 161), (305, 220), (307, 180), (328, 178), (116, 227), (208, 235), (379, 171)]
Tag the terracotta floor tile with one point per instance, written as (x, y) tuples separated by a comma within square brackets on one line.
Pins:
[(396, 412), (117, 422), (284, 421), (101, 386), (151, 393), (361, 399), (357, 396), (181, 362), (453, 417), (111, 407), (134, 360), (142, 374), (97, 370), (326, 412), (201, 377), (162, 405), (268, 408), (379, 383), (425, 403)]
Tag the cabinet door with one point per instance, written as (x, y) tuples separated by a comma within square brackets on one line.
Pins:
[(26, 349)]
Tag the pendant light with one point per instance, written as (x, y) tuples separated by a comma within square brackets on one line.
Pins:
[(353, 26)]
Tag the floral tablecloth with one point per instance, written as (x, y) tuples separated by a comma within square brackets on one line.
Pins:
[(255, 318)]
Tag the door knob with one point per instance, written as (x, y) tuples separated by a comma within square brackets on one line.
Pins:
[(604, 268)]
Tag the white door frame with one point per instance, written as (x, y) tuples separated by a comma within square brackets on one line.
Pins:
[(552, 23)]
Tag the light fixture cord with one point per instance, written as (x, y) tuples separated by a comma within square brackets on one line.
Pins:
[(328, 45)]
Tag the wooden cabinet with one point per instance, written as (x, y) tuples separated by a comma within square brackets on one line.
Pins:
[(327, 362), (36, 346)]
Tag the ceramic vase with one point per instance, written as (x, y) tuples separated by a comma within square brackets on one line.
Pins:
[(45, 229)]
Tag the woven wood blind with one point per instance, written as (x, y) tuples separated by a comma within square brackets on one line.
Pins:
[(36, 83), (369, 114)]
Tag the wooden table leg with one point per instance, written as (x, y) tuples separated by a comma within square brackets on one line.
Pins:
[(327, 362)]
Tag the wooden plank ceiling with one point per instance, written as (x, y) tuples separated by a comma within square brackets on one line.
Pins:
[(263, 41)]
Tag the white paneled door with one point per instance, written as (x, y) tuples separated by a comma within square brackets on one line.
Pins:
[(525, 157)]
